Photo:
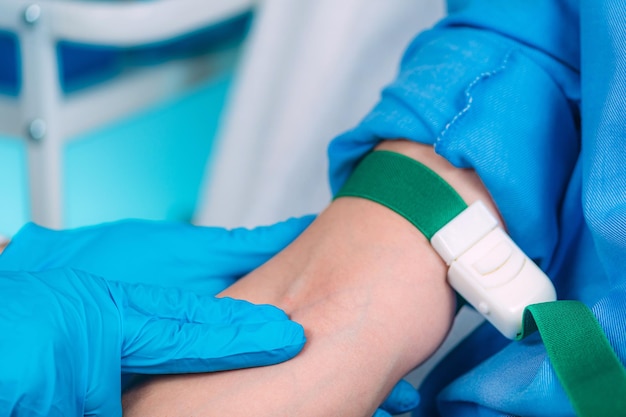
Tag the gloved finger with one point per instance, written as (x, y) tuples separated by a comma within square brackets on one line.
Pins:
[(90, 248), (207, 334), (203, 259), (381, 413), (240, 250), (165, 346), (187, 306), (271, 237), (403, 398)]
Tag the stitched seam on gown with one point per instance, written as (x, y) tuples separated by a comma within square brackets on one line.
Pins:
[(470, 99)]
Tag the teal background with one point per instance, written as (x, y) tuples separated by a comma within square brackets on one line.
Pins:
[(149, 165)]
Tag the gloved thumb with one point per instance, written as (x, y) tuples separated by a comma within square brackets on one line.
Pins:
[(173, 331)]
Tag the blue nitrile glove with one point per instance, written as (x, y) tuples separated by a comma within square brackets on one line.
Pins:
[(66, 335), (202, 259), (402, 399)]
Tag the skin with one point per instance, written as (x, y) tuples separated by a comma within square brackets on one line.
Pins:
[(372, 296)]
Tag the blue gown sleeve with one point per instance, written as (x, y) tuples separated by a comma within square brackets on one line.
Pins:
[(497, 86), (494, 87)]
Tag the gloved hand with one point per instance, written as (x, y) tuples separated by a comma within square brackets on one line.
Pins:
[(202, 259), (66, 335), (402, 399)]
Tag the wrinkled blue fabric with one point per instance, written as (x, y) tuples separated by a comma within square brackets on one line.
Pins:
[(532, 95)]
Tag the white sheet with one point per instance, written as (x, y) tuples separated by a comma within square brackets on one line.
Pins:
[(311, 70)]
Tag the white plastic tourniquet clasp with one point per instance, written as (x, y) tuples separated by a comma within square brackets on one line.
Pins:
[(489, 270)]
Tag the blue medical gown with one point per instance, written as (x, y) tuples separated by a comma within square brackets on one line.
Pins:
[(532, 95)]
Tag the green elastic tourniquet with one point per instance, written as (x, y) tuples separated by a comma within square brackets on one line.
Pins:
[(406, 187), (584, 361)]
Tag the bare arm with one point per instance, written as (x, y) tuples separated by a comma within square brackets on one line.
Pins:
[(372, 296)]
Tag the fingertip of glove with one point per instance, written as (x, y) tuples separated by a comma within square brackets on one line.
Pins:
[(298, 336), (275, 342), (381, 413), (257, 312), (403, 398), (285, 340), (287, 229), (289, 337)]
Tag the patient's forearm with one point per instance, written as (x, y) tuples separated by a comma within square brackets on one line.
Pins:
[(372, 296)]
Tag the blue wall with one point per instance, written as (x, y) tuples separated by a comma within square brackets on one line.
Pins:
[(149, 165)]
